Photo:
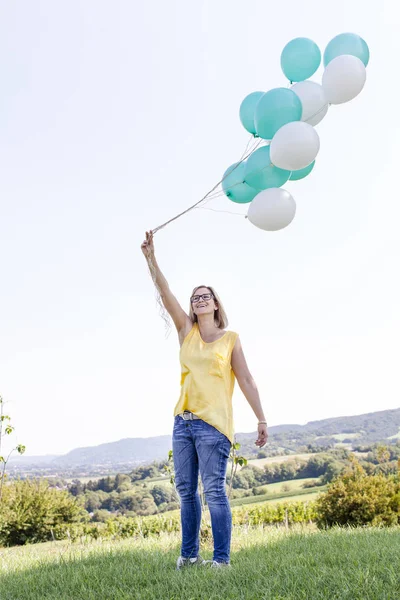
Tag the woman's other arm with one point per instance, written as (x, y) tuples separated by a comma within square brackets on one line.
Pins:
[(249, 389)]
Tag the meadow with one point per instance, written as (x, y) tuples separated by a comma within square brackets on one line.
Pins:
[(300, 563)]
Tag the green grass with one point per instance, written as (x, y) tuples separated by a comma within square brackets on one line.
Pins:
[(295, 484), (345, 436), (267, 564), (154, 481), (260, 462), (303, 495), (340, 436), (306, 496), (395, 437)]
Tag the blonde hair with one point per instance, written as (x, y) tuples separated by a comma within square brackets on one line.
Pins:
[(220, 318)]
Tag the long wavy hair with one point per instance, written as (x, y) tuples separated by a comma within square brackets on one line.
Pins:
[(220, 318)]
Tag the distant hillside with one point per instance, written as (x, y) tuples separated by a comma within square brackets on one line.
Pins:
[(352, 431), (123, 451)]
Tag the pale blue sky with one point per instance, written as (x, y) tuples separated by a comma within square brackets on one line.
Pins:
[(114, 117)]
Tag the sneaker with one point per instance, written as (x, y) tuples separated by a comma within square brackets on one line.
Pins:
[(189, 562), (217, 565)]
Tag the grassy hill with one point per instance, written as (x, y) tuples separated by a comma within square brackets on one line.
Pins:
[(267, 563)]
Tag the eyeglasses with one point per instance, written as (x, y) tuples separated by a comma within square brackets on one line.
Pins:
[(201, 297)]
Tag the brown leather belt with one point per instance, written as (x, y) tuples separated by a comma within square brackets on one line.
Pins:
[(188, 416)]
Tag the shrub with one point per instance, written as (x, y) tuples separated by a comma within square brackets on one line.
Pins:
[(100, 516), (260, 491), (312, 483), (356, 498), (32, 512)]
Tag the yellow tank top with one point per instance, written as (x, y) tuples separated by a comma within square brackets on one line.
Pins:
[(207, 380)]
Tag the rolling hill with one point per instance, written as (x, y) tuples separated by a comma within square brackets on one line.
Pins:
[(352, 431)]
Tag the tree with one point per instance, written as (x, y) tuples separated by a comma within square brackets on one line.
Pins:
[(107, 484), (94, 500), (146, 506), (76, 487), (236, 460), (145, 472), (382, 454), (101, 516), (6, 429), (162, 494), (123, 483), (111, 502)]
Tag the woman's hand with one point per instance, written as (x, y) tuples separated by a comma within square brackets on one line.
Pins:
[(262, 435), (148, 245)]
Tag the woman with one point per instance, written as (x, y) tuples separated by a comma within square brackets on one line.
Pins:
[(203, 433)]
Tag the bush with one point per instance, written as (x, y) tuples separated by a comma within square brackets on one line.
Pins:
[(238, 493), (260, 491), (31, 511), (312, 483), (356, 498), (101, 515), (166, 506)]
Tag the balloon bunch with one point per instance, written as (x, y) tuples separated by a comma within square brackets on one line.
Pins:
[(285, 119)]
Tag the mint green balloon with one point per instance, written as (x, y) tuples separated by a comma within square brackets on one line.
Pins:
[(247, 109), (347, 43), (300, 59), (274, 109), (261, 174), (301, 173), (234, 186)]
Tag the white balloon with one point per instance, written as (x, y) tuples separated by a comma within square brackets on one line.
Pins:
[(272, 209), (294, 146), (343, 78), (313, 99)]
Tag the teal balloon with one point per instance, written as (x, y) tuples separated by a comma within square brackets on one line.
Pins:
[(301, 173), (261, 174), (300, 59), (274, 109), (234, 186), (247, 109), (347, 43)]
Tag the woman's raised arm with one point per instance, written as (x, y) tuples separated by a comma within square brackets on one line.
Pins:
[(180, 318)]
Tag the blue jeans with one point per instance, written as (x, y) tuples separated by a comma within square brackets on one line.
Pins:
[(198, 446)]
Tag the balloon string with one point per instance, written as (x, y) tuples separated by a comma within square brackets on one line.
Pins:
[(229, 212), (208, 197), (210, 194), (317, 113), (244, 157)]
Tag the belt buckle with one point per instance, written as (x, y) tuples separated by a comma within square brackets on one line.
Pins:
[(187, 415)]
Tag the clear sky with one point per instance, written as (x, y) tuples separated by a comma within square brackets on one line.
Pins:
[(114, 117)]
